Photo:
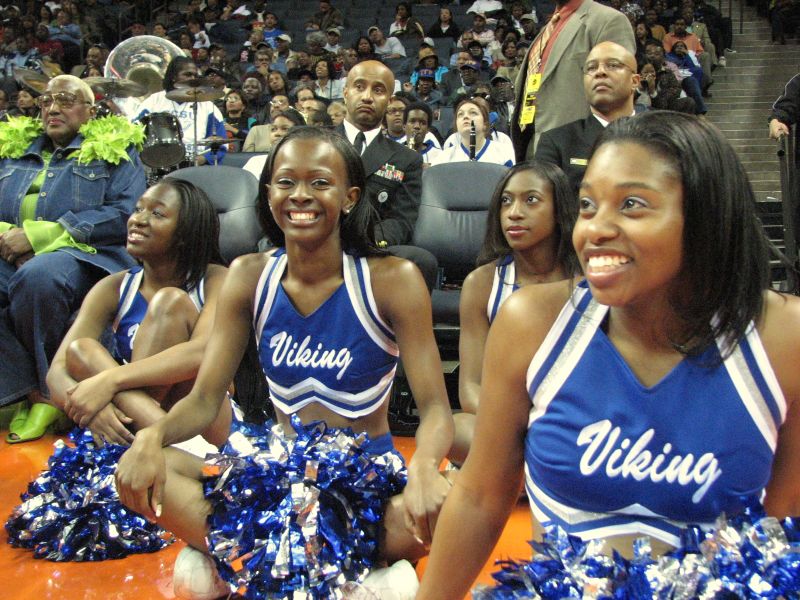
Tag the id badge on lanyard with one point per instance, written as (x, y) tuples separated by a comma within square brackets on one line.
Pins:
[(532, 84)]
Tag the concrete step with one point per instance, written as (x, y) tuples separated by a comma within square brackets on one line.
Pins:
[(763, 166), (743, 135)]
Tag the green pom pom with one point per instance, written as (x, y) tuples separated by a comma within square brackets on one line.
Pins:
[(16, 134), (108, 139)]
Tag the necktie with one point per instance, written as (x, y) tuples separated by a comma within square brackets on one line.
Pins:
[(537, 51), (361, 141)]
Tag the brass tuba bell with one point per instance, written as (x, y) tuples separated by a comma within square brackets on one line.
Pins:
[(142, 59)]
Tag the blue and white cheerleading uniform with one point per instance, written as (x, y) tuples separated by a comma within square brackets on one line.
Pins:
[(606, 455), (132, 309), (343, 355), (312, 501), (504, 283)]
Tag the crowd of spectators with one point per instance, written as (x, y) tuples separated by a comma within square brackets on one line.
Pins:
[(438, 57)]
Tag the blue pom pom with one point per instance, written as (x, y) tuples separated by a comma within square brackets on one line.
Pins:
[(748, 555), (297, 513), (72, 512)]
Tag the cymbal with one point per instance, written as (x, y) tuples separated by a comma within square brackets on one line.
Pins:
[(116, 88), (31, 79), (197, 94), (215, 140)]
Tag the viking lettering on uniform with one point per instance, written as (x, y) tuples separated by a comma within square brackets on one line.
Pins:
[(625, 460), (299, 354)]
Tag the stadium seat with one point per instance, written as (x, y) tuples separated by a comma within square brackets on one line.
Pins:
[(451, 225), (234, 193)]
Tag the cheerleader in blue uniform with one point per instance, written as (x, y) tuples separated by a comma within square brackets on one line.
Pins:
[(162, 313), (332, 313), (528, 240), (657, 393)]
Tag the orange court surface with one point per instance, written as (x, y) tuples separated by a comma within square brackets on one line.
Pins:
[(141, 576)]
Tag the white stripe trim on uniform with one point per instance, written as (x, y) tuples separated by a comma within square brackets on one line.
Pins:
[(132, 281), (357, 301), (565, 363), (767, 372), (311, 384), (373, 397), (751, 397), (274, 267), (552, 336), (575, 518)]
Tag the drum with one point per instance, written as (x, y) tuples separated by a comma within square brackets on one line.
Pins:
[(163, 143)]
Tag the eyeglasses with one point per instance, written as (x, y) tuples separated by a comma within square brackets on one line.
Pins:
[(64, 99), (591, 67)]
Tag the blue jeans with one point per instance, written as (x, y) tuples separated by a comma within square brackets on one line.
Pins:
[(36, 304)]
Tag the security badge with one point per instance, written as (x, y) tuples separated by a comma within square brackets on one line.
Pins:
[(383, 196), (532, 84)]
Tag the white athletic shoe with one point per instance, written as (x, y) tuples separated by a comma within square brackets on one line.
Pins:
[(195, 577), (398, 582)]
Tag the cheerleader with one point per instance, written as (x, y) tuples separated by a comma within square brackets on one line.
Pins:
[(528, 240), (657, 392), (161, 313), (331, 322)]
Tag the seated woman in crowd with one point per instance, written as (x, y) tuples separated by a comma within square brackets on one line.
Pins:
[(161, 313), (405, 24), (326, 83), (365, 49), (278, 84), (528, 241), (328, 284), (23, 105), (337, 111), (445, 26), (238, 118), (474, 139), (674, 350), (263, 138)]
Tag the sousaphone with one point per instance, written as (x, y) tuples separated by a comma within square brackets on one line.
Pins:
[(143, 59)]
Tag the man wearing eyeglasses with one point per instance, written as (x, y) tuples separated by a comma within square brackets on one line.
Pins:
[(62, 228), (610, 81), (550, 74)]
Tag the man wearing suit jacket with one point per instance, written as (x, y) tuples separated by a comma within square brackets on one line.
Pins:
[(609, 82), (394, 172), (582, 24)]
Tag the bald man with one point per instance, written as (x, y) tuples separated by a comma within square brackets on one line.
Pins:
[(394, 172), (610, 81)]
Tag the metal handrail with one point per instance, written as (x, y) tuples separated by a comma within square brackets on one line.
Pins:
[(788, 168)]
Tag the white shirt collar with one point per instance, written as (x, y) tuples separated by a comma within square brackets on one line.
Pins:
[(352, 131), (605, 123)]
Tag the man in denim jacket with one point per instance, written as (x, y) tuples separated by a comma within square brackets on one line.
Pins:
[(62, 228)]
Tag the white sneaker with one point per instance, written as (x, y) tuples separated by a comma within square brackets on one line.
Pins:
[(722, 62), (398, 582), (195, 577)]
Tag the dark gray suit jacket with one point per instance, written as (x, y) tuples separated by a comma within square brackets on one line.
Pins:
[(394, 186)]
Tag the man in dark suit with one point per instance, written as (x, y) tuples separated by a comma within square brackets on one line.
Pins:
[(394, 172), (546, 95), (609, 82)]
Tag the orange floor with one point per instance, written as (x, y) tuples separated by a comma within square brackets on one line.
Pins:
[(143, 576)]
